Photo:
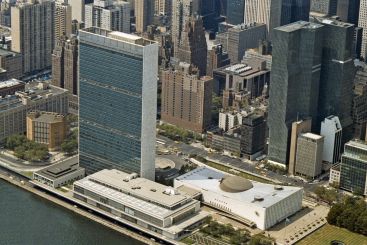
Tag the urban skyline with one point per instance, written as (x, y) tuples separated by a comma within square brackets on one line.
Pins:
[(186, 121)]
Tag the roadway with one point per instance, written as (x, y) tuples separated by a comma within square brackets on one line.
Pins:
[(243, 164)]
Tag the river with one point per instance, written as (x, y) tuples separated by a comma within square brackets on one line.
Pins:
[(28, 219)]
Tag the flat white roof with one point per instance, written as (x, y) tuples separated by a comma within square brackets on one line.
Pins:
[(312, 136), (9, 83), (124, 36), (209, 180)]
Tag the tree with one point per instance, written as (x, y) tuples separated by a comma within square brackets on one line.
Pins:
[(13, 141)]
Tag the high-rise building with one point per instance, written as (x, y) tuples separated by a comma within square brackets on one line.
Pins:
[(275, 13), (181, 12), (144, 11), (109, 15), (309, 155), (360, 103), (163, 7), (235, 12), (332, 130), (294, 89), (328, 7), (65, 64), (353, 167), (295, 10), (33, 37), (362, 22), (193, 47), (263, 11), (253, 132), (78, 10), (62, 19), (216, 58), (118, 101), (186, 98), (240, 38), (348, 11), (298, 128), (338, 71)]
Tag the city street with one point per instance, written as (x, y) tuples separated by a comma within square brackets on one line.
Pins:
[(237, 163)]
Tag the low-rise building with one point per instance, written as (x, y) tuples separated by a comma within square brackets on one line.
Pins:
[(230, 142), (335, 174), (140, 201), (38, 96), (9, 87), (12, 63), (47, 128), (263, 205), (59, 174)]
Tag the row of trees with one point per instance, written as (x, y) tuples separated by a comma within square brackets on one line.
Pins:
[(231, 235), (70, 145), (26, 149), (176, 133), (351, 214), (327, 195)]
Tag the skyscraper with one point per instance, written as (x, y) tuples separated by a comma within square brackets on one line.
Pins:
[(362, 22), (275, 13), (62, 19), (235, 11), (295, 10), (109, 15), (263, 11), (294, 86), (65, 64), (78, 10), (337, 76), (33, 37), (348, 11), (328, 7), (163, 7), (144, 11), (118, 101), (193, 48), (181, 11), (186, 98)]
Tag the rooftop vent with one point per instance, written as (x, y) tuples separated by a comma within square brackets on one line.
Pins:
[(278, 187), (258, 198)]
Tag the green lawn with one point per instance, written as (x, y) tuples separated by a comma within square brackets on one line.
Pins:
[(328, 233)]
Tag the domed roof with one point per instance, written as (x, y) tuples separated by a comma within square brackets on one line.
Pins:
[(235, 184)]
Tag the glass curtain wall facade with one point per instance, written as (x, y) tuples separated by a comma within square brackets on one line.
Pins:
[(295, 83), (117, 116), (235, 11), (354, 167)]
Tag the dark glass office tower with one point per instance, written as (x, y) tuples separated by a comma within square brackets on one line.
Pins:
[(295, 10), (118, 92), (353, 167), (337, 76), (294, 90), (235, 11), (348, 11)]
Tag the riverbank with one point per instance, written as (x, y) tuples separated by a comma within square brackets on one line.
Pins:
[(78, 211)]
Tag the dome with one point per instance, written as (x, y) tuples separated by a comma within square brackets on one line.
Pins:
[(235, 184)]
